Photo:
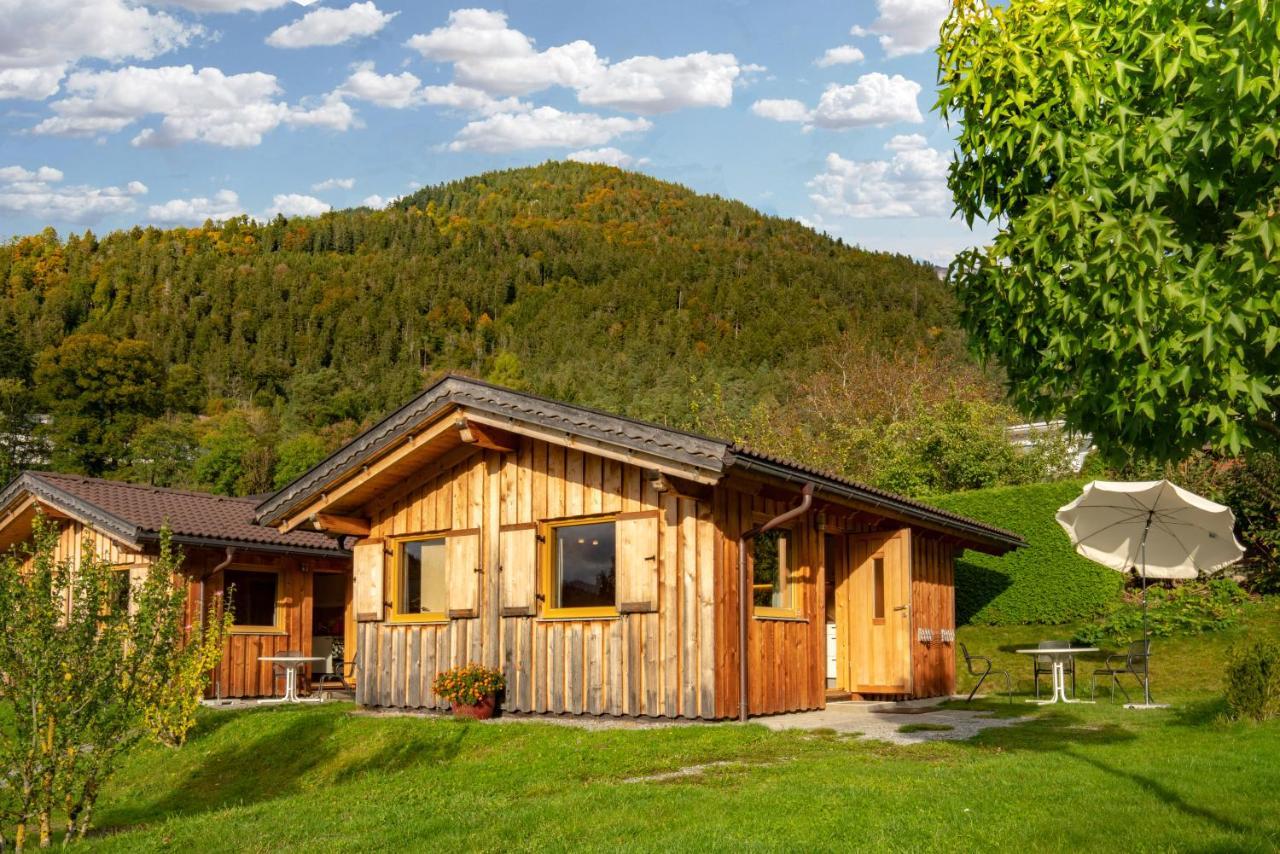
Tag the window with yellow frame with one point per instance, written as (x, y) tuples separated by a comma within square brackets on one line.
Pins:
[(420, 585), (580, 573), (255, 598), (774, 589)]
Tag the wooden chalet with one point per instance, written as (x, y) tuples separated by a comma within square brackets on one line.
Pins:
[(291, 591), (600, 563)]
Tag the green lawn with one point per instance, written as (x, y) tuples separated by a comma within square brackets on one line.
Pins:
[(1097, 777)]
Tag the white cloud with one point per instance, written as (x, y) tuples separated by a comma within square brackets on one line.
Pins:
[(906, 142), (376, 202), (781, 109), (206, 105), (469, 100), (544, 127), (404, 90), (39, 195), (490, 56), (224, 205), (41, 41), (874, 99), (912, 183), (845, 54), (331, 26), (906, 26), (224, 5), (334, 184), (386, 90), (609, 156), (295, 204), (647, 84)]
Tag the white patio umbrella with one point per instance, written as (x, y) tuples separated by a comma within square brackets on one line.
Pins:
[(1154, 528)]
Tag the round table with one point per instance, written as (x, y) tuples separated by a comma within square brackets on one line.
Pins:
[(1059, 656), (291, 664)]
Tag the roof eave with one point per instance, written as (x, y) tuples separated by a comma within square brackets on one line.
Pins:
[(986, 539), (244, 545), (87, 513)]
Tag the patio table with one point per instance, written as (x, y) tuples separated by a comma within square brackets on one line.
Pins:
[(1059, 657), (291, 664)]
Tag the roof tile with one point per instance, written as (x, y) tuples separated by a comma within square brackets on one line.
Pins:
[(188, 514)]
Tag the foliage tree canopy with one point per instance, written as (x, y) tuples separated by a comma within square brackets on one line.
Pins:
[(1128, 152), (98, 391), (581, 282)]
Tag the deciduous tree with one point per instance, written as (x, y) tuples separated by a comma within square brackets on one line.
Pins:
[(1128, 152)]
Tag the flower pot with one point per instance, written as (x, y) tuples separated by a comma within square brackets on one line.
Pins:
[(481, 711)]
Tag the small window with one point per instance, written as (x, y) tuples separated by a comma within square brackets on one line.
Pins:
[(421, 586), (583, 572), (254, 597), (120, 589), (877, 589), (773, 589)]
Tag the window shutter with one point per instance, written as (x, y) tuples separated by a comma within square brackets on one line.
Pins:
[(518, 553), (462, 569), (367, 559), (636, 560)]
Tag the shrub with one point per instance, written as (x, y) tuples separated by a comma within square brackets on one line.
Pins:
[(85, 677), (469, 684), (1046, 582), (1253, 680), (1190, 607)]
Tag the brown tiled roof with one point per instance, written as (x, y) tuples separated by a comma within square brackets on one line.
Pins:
[(135, 512)]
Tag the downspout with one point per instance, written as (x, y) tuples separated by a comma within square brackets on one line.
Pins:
[(231, 554), (744, 587)]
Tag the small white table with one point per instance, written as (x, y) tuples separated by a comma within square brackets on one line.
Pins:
[(291, 664), (1059, 657)]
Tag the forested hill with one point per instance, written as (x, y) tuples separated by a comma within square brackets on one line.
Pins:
[(583, 282)]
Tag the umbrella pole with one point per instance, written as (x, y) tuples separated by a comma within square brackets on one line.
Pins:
[(1146, 627)]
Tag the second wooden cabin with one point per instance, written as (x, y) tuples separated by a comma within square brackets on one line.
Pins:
[(596, 560)]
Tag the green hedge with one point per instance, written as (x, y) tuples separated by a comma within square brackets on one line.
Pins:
[(1046, 582)]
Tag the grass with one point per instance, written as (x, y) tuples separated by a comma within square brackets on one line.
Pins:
[(324, 778)]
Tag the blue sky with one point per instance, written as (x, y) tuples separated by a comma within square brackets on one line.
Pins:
[(115, 112)]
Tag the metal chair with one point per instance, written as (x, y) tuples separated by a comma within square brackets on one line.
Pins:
[(1042, 665), (1134, 662), (983, 674), (344, 671), (279, 671)]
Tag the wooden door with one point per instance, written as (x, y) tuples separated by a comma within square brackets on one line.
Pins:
[(873, 614)]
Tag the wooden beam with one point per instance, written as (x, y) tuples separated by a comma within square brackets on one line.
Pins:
[(678, 485), (331, 524), (23, 507), (486, 436), (336, 491)]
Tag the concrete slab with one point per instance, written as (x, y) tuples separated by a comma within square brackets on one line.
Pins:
[(882, 721)]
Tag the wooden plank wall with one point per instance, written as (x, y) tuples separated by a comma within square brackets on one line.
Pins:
[(786, 664), (933, 607), (658, 664), (240, 674)]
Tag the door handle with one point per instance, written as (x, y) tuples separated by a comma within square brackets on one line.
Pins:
[(901, 607)]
